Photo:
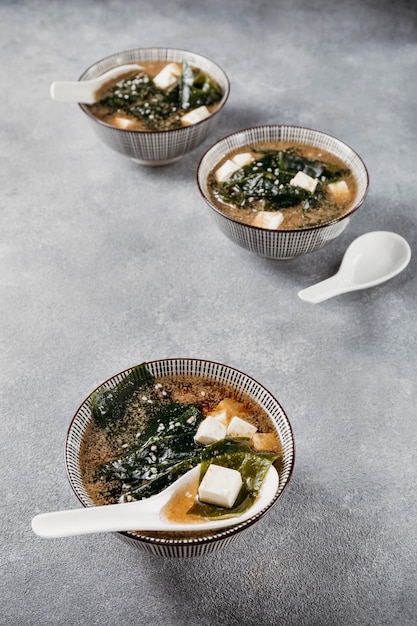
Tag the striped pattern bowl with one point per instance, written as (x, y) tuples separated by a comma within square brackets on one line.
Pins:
[(242, 384), (281, 244), (153, 147)]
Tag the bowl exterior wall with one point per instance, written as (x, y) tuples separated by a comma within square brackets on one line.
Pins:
[(276, 244), (281, 244), (242, 385), (180, 551), (156, 148)]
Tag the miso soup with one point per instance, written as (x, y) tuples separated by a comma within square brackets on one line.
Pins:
[(148, 439)]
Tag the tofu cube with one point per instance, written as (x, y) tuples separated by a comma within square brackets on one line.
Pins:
[(240, 428), (304, 181), (226, 170), (340, 191), (265, 442), (220, 415), (232, 165), (268, 219), (220, 486), (168, 76), (232, 407), (243, 158), (123, 122), (210, 431), (195, 116)]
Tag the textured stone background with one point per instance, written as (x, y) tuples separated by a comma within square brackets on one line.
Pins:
[(104, 264)]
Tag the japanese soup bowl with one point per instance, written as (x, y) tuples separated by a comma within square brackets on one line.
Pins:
[(149, 147), (203, 376), (277, 243)]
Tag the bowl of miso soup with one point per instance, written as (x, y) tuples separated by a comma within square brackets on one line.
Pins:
[(282, 191), (161, 111), (146, 426)]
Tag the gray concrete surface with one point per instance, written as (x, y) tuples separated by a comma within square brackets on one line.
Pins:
[(105, 264)]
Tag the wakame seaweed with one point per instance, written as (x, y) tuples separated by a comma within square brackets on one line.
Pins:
[(160, 109), (267, 179), (108, 405), (197, 89), (165, 447)]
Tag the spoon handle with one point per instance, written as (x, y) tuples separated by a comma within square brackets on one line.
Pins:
[(109, 518), (73, 91), (85, 91), (323, 290)]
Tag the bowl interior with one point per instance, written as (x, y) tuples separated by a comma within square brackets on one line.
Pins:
[(240, 383), (294, 134)]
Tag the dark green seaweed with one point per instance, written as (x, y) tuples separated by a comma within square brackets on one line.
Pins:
[(267, 179), (108, 405), (164, 450), (197, 89)]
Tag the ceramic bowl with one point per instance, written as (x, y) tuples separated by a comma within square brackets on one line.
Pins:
[(281, 244), (156, 147), (241, 384)]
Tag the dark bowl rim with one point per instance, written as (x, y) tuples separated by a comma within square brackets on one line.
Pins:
[(221, 534), (183, 129), (287, 230)]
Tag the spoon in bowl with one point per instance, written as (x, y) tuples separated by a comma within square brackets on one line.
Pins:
[(370, 259), (145, 514), (88, 91)]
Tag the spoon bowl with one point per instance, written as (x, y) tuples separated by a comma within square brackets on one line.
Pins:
[(145, 515), (370, 260), (88, 91)]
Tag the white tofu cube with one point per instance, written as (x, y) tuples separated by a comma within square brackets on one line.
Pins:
[(168, 76), (232, 165), (304, 181), (210, 431), (268, 219), (123, 122), (226, 170), (231, 406), (195, 116), (340, 191), (175, 69), (240, 428), (220, 415), (220, 486), (243, 158)]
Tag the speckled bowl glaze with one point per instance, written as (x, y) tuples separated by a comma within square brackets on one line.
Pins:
[(281, 244), (242, 384), (152, 147)]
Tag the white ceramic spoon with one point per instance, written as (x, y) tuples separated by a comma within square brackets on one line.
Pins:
[(144, 514), (85, 91), (370, 259)]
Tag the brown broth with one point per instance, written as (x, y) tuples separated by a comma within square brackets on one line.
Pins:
[(294, 217)]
